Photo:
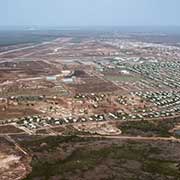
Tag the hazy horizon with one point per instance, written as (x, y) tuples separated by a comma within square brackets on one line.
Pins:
[(88, 13)]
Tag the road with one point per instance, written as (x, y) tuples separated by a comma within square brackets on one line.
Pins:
[(141, 138), (7, 136), (9, 139)]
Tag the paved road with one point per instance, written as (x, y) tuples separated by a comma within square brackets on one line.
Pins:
[(24, 48)]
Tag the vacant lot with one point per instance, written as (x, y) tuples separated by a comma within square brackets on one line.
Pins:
[(9, 129)]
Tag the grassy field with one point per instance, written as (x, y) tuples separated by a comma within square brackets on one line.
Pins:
[(123, 78)]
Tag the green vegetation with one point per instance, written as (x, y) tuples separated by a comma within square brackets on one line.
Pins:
[(148, 128), (34, 145), (125, 78), (85, 158), (162, 167)]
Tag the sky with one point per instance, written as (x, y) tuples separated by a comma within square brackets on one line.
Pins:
[(90, 12)]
